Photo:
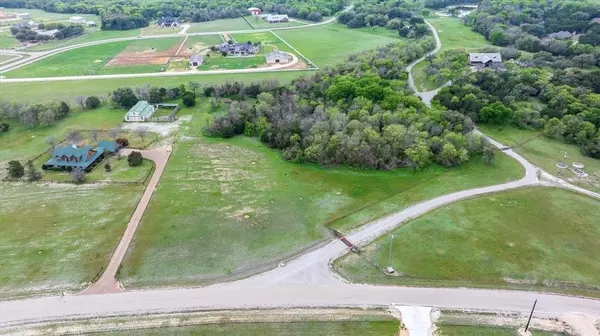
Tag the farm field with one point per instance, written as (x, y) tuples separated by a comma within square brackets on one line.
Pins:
[(91, 35), (316, 42), (545, 153), (39, 15), (223, 25), (351, 328), (68, 90), (220, 190), (454, 34), (514, 239), (58, 237), (77, 62)]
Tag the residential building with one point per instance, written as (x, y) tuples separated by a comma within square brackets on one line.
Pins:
[(278, 57), (196, 60), (90, 24), (254, 11), (49, 33), (71, 157), (77, 20), (168, 22), (142, 111), (276, 18), (239, 49), (24, 16), (485, 60)]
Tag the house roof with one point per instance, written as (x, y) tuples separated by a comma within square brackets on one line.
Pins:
[(78, 157), (485, 57), (110, 146), (141, 109), (277, 17), (196, 58), (560, 35), (277, 54), (237, 47), (253, 8), (76, 18), (167, 19)]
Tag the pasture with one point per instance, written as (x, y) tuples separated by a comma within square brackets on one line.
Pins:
[(542, 238), (58, 237), (219, 190), (222, 25), (39, 15), (330, 44), (78, 62), (91, 35)]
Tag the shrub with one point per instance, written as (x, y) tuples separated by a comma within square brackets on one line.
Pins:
[(78, 175), (135, 159), (107, 167), (189, 99), (15, 169), (123, 142), (92, 102), (4, 127)]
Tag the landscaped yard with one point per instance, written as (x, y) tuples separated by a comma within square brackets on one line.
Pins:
[(59, 237), (545, 153), (330, 44), (68, 90), (517, 239), (353, 328), (223, 25), (220, 190), (77, 62), (215, 61)]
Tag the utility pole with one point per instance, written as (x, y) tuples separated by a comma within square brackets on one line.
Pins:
[(390, 269), (530, 315)]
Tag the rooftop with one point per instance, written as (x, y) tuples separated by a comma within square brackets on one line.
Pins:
[(71, 156), (485, 57), (142, 109), (196, 58)]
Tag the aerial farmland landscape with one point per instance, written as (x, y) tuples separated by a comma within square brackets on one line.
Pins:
[(300, 167)]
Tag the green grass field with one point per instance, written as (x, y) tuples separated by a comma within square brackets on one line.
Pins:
[(353, 328), (421, 81), (330, 44), (197, 43), (39, 15), (57, 238), (459, 330), (152, 29), (223, 25), (514, 239), (129, 69), (259, 23), (220, 190), (68, 90), (159, 44), (77, 62), (92, 34), (545, 153), (215, 61), (7, 41), (454, 34)]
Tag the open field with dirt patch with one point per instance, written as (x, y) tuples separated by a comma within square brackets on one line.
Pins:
[(545, 153), (147, 52), (542, 238), (221, 190), (317, 43), (153, 29), (57, 238), (77, 62), (195, 44)]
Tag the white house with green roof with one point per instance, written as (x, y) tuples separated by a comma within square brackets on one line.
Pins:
[(142, 111)]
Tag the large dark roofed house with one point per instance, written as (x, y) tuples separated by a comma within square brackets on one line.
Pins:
[(168, 21), (485, 60), (238, 49)]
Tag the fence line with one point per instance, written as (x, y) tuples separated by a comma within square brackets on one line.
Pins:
[(296, 50)]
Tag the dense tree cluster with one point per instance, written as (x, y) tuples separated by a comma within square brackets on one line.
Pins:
[(64, 31), (449, 65), (529, 24), (395, 15), (355, 114), (116, 13), (35, 114), (527, 98)]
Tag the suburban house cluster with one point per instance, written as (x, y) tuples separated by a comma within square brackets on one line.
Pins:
[(270, 18), (73, 157), (143, 111)]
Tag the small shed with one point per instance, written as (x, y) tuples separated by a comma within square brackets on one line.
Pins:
[(278, 57), (196, 60), (142, 111)]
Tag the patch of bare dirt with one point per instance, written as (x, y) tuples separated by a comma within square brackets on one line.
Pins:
[(144, 57)]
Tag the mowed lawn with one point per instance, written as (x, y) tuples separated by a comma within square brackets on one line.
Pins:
[(454, 34), (68, 90), (223, 25), (516, 239), (159, 45), (7, 41), (58, 237), (545, 153), (351, 328), (77, 62), (331, 44), (235, 205)]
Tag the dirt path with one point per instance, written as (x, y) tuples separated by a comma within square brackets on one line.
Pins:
[(107, 282), (181, 46)]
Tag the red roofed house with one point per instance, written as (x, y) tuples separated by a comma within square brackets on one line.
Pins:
[(254, 11)]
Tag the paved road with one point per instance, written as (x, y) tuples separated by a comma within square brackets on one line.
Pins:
[(107, 282), (36, 56)]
